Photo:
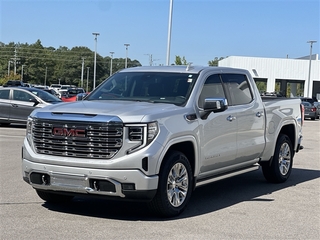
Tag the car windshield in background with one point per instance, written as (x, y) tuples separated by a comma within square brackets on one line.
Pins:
[(75, 91), (45, 96), (156, 87)]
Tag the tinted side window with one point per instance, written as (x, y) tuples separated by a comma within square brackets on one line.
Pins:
[(212, 88), (238, 87), (4, 94), (22, 96)]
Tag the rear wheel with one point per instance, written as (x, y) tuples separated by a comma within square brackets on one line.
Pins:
[(280, 168), (175, 186), (53, 197)]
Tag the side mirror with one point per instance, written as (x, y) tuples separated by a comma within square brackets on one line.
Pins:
[(213, 105), (35, 101)]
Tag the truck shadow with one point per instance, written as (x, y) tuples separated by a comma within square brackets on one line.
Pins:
[(213, 197)]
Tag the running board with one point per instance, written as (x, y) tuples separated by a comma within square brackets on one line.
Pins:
[(227, 175)]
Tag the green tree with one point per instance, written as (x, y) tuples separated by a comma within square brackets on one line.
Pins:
[(180, 61), (215, 61), (48, 65)]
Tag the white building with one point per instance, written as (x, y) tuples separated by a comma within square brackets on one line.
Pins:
[(289, 76)]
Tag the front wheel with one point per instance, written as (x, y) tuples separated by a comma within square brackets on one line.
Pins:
[(174, 187), (280, 168)]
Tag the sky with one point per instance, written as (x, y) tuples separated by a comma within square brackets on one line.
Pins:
[(201, 30)]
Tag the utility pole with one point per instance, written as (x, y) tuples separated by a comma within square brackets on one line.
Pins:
[(151, 60), (15, 58)]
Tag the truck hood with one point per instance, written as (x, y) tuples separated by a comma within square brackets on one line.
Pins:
[(127, 111)]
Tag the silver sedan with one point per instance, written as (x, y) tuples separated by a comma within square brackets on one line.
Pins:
[(16, 103)]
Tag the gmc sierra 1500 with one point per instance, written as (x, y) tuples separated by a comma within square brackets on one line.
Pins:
[(156, 133)]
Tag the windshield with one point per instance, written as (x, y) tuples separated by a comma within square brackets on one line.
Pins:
[(157, 87), (45, 96)]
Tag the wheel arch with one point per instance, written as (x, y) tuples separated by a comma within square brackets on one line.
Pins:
[(186, 146), (290, 131)]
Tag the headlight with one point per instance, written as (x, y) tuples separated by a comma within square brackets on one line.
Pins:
[(152, 131), (29, 130), (141, 134)]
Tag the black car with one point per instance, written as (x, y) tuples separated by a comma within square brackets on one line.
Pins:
[(16, 103), (14, 83)]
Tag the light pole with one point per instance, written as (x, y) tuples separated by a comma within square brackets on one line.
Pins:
[(311, 42), (169, 32), (95, 59), (126, 45), (82, 66), (111, 63), (87, 78)]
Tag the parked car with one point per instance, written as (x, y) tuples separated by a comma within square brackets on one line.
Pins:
[(317, 105), (14, 83), (310, 111), (55, 86), (53, 92), (81, 96), (314, 102), (17, 103), (71, 94), (41, 87), (63, 89)]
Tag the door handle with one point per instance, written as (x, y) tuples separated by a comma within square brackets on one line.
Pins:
[(231, 118)]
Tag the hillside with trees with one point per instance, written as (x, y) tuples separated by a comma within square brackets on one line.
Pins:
[(36, 64)]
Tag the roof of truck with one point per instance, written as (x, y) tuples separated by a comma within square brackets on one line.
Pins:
[(175, 68)]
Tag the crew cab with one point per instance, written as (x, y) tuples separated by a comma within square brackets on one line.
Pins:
[(155, 134)]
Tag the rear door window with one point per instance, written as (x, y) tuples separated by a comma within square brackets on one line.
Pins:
[(4, 94), (238, 87)]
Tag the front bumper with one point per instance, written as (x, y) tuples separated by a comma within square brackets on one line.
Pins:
[(129, 184)]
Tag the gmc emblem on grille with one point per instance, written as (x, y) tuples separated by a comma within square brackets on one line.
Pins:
[(68, 132)]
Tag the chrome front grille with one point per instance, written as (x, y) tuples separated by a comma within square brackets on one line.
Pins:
[(98, 140)]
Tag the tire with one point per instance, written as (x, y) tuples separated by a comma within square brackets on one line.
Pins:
[(53, 197), (280, 168), (313, 118), (174, 187)]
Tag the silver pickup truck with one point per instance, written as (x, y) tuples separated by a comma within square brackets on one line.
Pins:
[(156, 133)]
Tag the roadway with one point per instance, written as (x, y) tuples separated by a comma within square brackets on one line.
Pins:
[(243, 207)]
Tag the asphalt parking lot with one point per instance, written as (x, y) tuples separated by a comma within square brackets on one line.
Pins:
[(243, 207)]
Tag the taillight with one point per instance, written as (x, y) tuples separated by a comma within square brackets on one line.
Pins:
[(313, 109), (302, 113)]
